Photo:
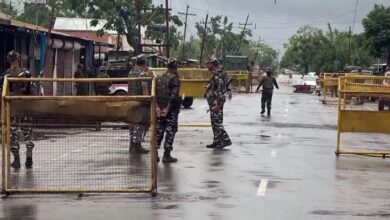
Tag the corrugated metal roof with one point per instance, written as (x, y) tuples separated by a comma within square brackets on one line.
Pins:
[(58, 33), (79, 24)]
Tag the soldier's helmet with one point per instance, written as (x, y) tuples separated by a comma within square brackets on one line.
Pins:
[(140, 61), (172, 63), (12, 55), (214, 61)]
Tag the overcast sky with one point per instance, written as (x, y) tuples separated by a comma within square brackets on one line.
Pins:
[(275, 23)]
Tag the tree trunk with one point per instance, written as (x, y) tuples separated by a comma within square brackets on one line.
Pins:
[(306, 66), (132, 41)]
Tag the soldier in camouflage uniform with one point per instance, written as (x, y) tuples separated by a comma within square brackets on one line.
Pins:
[(215, 95), (168, 108), (136, 88), (102, 88), (267, 82), (19, 88)]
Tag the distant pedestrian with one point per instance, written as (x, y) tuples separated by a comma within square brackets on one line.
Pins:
[(168, 108), (267, 82), (215, 95)]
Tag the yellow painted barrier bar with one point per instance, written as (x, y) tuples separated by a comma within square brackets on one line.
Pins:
[(360, 118)]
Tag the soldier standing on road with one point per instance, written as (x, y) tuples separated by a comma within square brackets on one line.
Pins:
[(19, 88), (137, 88), (168, 108), (215, 95), (81, 87), (268, 82), (102, 88)]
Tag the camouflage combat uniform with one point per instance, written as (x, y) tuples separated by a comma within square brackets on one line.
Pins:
[(102, 88), (215, 95), (168, 87), (20, 89), (138, 88)]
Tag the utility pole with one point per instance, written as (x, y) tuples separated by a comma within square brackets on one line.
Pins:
[(185, 28), (203, 40), (243, 33), (349, 48), (51, 22), (168, 37), (138, 49), (257, 52)]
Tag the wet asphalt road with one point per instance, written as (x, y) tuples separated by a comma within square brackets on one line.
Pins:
[(282, 167)]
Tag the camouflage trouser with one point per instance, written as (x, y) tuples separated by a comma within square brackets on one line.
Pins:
[(137, 133), (27, 137), (266, 98), (167, 125), (219, 132)]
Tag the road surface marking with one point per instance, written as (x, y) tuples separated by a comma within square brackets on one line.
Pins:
[(274, 153), (262, 187)]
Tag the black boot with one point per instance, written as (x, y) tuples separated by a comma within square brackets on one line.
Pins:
[(138, 149), (16, 163), (213, 145), (29, 158), (223, 144), (262, 111), (29, 162), (269, 112), (167, 158)]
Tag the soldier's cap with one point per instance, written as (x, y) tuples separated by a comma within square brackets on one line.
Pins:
[(172, 63), (12, 55), (214, 61)]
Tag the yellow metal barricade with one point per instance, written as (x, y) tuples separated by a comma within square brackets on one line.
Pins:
[(193, 80), (329, 85), (366, 115), (81, 142)]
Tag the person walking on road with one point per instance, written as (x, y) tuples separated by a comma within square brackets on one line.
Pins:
[(138, 88), (168, 108), (267, 82), (20, 89), (215, 95)]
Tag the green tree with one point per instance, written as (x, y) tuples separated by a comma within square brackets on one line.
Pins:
[(7, 9), (377, 30), (302, 49), (220, 39), (38, 14), (121, 16)]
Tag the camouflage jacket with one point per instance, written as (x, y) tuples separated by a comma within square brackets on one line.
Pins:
[(168, 88), (216, 89), (137, 87), (17, 88)]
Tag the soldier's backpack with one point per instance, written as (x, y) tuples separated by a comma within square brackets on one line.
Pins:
[(163, 90)]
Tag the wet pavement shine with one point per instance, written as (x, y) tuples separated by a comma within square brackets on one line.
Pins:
[(279, 167)]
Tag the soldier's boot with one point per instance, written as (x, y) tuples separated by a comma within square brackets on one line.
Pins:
[(224, 144), (167, 158), (213, 145), (269, 112), (29, 157), (262, 111), (138, 149), (16, 163)]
